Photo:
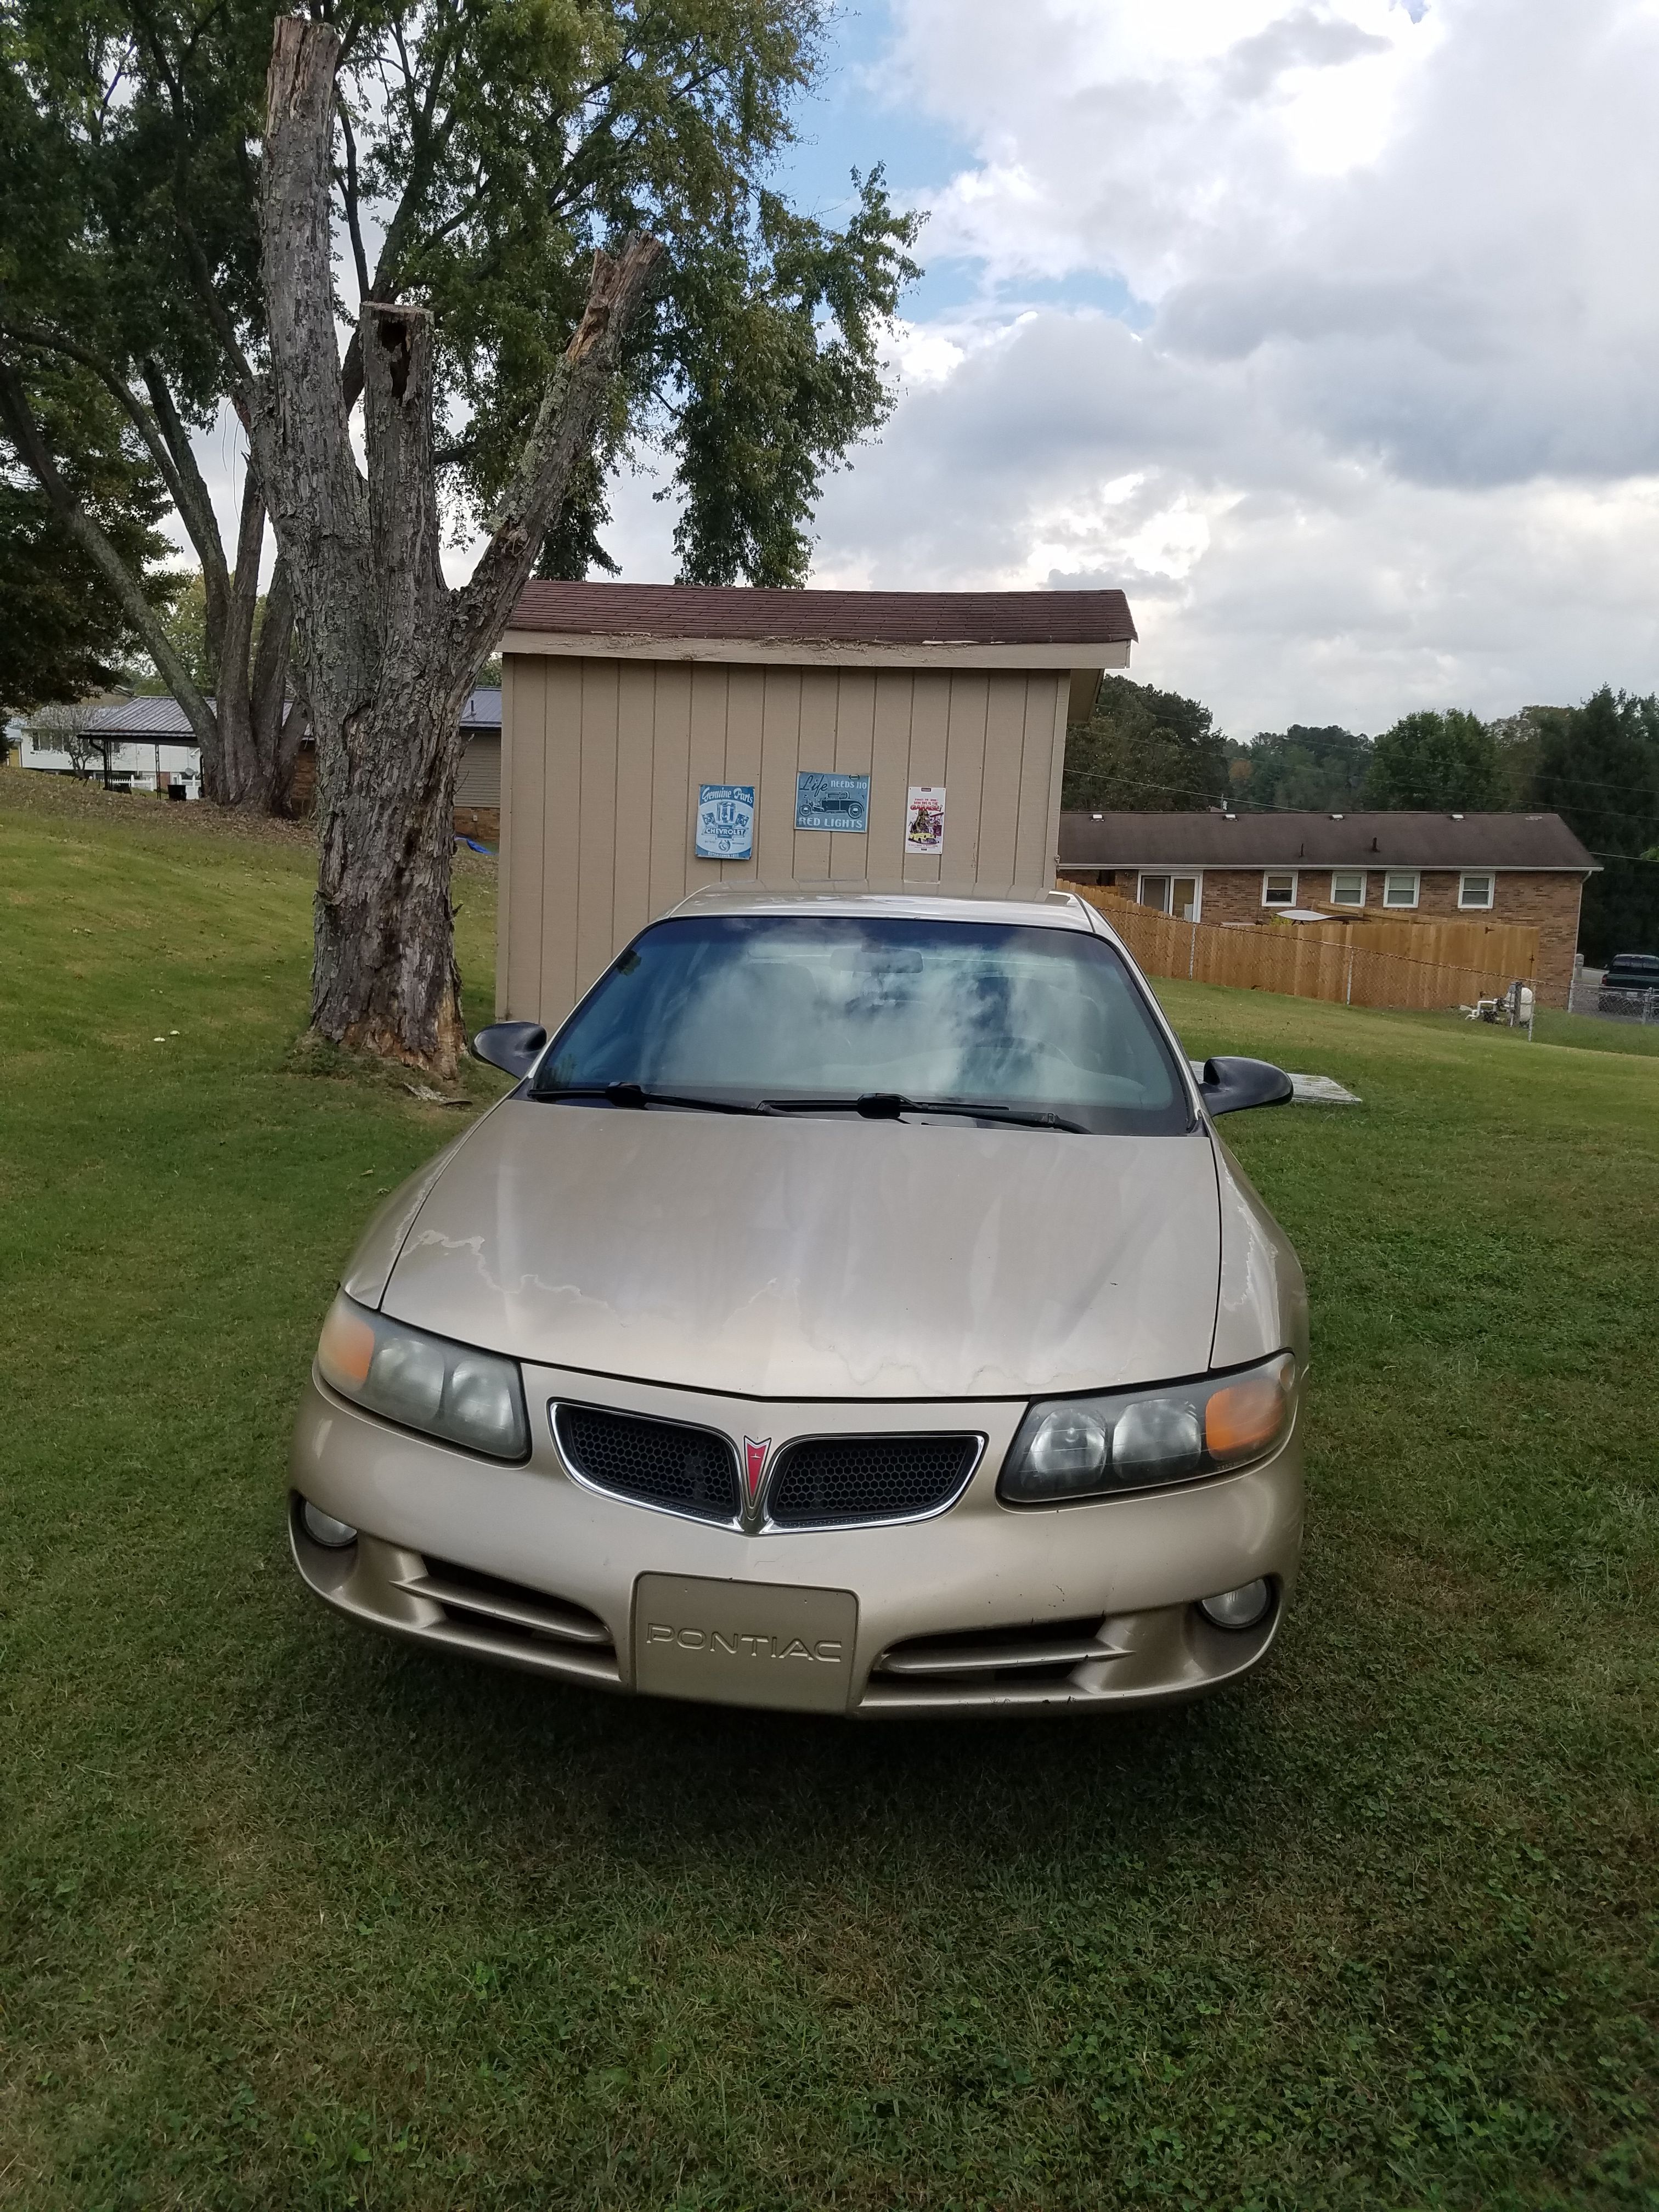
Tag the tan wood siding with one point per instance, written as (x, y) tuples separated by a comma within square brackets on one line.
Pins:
[(558, 817), (855, 745), (479, 780), (602, 759), (673, 799), (964, 781), (999, 802), (930, 724), (513, 681), (637, 732)]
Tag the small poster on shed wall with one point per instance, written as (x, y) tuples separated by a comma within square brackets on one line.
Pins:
[(832, 802), (726, 821), (924, 818)]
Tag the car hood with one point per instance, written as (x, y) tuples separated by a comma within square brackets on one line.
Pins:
[(819, 1258)]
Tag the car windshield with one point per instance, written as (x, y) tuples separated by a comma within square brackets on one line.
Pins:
[(818, 1011)]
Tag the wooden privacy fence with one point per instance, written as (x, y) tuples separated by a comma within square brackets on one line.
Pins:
[(1358, 963)]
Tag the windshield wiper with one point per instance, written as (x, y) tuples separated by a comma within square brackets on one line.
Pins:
[(888, 1105), (636, 1095)]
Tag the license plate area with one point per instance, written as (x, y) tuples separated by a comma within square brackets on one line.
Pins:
[(744, 1644)]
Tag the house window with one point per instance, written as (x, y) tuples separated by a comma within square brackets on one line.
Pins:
[(1278, 887), (1180, 895), (1348, 887), (1399, 887), (1475, 887)]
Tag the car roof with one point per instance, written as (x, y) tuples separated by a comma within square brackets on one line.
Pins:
[(1028, 905)]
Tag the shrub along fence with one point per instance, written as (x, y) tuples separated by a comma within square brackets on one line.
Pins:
[(1357, 961)]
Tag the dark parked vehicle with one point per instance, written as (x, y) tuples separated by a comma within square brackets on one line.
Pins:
[(1629, 986)]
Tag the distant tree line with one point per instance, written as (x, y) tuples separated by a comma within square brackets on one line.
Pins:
[(1144, 750)]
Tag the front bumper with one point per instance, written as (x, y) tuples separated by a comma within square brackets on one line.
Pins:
[(979, 1609)]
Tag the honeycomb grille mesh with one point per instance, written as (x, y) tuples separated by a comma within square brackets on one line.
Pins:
[(688, 1470), (825, 1479)]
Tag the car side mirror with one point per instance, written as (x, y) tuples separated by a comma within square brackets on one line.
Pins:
[(1228, 1085), (514, 1047)]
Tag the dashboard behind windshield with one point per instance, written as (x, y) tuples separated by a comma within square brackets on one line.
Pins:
[(821, 1007)]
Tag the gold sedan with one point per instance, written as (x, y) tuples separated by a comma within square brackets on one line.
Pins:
[(852, 1309)]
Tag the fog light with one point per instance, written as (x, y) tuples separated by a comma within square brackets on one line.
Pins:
[(323, 1528), (1244, 1607)]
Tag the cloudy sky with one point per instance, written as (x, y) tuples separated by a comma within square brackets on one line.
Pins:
[(1330, 331)]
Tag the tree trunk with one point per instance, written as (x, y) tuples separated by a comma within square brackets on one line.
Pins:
[(384, 977), (236, 720), (25, 434), (390, 651), (235, 778), (279, 721)]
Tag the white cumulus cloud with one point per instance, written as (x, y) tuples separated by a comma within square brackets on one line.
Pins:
[(1379, 424)]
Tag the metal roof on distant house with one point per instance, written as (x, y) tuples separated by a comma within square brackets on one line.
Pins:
[(160, 719), (163, 718), (1402, 840), (687, 611)]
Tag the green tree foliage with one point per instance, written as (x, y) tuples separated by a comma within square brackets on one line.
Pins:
[(502, 145), (1445, 762), (127, 251), (185, 622), (1144, 750), (62, 632), (1598, 768), (483, 151), (1323, 768), (1519, 738)]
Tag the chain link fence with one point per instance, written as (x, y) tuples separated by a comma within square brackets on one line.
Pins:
[(1590, 995)]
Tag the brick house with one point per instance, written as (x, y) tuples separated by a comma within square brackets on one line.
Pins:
[(1242, 868)]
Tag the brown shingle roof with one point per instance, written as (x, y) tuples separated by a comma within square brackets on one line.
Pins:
[(1319, 841), (686, 610)]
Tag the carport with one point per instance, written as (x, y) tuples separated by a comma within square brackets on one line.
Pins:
[(656, 738)]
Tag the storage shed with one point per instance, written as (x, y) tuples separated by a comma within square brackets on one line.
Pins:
[(656, 738)]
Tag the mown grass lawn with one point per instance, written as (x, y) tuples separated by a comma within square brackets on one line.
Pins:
[(293, 1917)]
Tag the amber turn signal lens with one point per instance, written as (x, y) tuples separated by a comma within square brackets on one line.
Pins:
[(345, 1347), (1242, 1421)]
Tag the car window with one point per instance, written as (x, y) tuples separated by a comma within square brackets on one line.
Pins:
[(751, 1006)]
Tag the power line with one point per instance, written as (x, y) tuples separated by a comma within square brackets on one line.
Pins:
[(1242, 804)]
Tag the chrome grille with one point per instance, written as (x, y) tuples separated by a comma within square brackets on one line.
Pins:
[(660, 1462), (827, 1481)]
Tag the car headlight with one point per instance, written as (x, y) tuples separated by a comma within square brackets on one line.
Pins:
[(1140, 1439), (449, 1390)]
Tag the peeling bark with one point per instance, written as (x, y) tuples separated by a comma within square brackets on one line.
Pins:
[(390, 651)]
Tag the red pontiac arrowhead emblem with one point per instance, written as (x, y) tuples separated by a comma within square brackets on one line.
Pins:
[(754, 1458)]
